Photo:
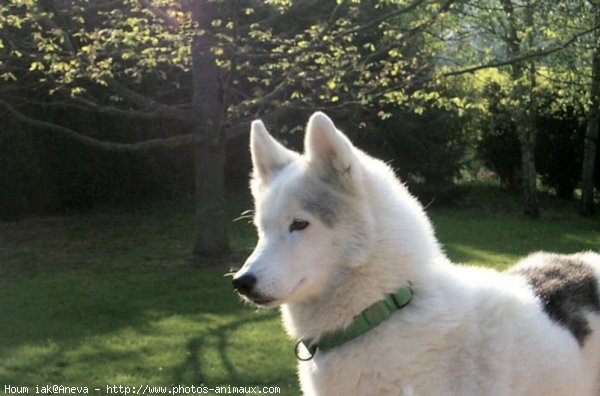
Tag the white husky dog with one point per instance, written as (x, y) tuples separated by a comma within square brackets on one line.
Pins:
[(351, 258)]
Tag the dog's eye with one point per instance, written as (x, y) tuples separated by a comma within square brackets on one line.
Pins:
[(298, 225)]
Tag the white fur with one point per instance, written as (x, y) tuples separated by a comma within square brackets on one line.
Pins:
[(468, 331)]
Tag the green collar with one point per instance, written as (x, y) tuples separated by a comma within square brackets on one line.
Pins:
[(363, 322)]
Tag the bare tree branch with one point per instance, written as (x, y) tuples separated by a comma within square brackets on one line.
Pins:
[(160, 143), (83, 104), (99, 5), (147, 103), (526, 56), (90, 105)]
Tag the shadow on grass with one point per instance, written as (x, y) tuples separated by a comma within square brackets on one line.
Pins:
[(110, 298), (194, 369), (112, 326)]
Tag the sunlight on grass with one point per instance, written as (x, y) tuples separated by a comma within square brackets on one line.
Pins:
[(478, 257), (488, 239)]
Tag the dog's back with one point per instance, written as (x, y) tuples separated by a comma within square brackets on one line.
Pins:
[(568, 291)]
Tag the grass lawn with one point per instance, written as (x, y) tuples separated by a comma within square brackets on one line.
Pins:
[(111, 299)]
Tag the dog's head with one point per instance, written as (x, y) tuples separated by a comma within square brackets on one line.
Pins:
[(311, 213)]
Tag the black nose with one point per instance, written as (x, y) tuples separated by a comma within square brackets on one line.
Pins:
[(244, 284)]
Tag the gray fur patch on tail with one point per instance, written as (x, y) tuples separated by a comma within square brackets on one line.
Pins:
[(567, 289)]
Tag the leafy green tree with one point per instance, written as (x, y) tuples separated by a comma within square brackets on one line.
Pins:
[(210, 66), (533, 44)]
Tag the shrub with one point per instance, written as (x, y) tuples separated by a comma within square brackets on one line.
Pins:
[(425, 150), (499, 145), (559, 145)]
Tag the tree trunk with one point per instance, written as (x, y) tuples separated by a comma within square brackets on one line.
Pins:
[(526, 113), (591, 135), (527, 136), (526, 133), (528, 171), (211, 230), (210, 145)]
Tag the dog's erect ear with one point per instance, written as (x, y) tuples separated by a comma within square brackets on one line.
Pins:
[(326, 148), (268, 155)]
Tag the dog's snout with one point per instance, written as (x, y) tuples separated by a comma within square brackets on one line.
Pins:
[(244, 283)]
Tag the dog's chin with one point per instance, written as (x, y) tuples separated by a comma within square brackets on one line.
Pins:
[(263, 302)]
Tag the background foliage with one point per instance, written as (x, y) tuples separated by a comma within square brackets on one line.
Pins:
[(100, 99)]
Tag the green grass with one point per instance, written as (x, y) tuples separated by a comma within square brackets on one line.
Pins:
[(111, 298)]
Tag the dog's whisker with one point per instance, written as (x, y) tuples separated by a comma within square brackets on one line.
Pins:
[(242, 218), (246, 214)]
